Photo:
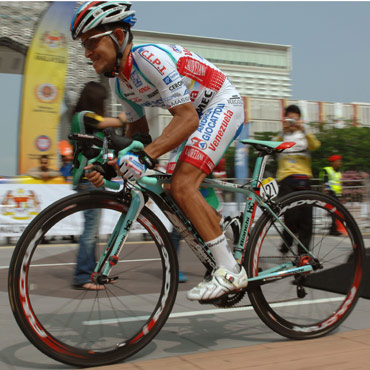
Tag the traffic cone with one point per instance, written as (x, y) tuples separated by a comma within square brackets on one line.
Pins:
[(340, 227)]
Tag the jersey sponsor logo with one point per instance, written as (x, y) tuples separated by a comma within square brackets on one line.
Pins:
[(176, 102), (144, 89), (199, 143), (197, 158), (136, 100), (155, 62), (176, 85), (188, 53), (235, 100), (170, 167), (201, 72), (209, 121), (153, 94), (194, 95), (136, 79), (207, 96), (126, 84), (228, 115), (194, 153), (167, 80), (175, 49), (173, 76), (156, 103)]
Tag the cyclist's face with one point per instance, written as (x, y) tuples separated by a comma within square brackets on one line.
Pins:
[(101, 51)]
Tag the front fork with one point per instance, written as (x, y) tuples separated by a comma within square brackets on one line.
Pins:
[(110, 255)]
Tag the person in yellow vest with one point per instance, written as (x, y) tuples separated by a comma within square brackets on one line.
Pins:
[(294, 173), (332, 183)]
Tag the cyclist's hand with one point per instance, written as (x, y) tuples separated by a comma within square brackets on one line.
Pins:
[(95, 177), (131, 167)]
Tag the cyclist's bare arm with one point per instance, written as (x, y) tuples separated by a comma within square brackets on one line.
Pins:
[(137, 127), (184, 122)]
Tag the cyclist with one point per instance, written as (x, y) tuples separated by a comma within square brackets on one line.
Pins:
[(207, 115)]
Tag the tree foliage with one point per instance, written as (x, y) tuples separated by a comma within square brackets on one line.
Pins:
[(351, 142)]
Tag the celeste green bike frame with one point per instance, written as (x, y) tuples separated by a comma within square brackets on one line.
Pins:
[(153, 187)]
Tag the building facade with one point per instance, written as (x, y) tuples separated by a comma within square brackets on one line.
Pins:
[(260, 72)]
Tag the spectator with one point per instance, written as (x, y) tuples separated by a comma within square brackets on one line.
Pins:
[(294, 173), (66, 168), (66, 152), (43, 172), (88, 118), (332, 184)]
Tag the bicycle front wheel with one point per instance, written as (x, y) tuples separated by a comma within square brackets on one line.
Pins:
[(83, 327), (306, 305)]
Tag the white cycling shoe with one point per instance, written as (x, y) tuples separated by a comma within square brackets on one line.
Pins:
[(221, 282)]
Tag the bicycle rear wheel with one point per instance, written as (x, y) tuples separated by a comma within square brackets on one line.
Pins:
[(307, 305), (91, 328)]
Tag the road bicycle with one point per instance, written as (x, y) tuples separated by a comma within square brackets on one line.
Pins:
[(300, 290)]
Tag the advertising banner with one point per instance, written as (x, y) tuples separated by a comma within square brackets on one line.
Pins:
[(23, 198), (43, 87)]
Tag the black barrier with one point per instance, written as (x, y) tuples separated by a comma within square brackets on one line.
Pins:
[(336, 279)]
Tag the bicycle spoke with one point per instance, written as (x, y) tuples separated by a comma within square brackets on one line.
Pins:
[(324, 300)]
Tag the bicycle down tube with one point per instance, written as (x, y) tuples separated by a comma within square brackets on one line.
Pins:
[(153, 186)]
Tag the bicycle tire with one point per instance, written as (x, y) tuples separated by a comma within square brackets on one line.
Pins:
[(91, 328), (308, 305)]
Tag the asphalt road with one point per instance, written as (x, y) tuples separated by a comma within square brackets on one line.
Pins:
[(191, 328)]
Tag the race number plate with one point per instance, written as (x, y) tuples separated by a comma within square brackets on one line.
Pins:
[(269, 188)]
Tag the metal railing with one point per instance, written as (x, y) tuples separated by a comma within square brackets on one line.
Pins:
[(355, 196)]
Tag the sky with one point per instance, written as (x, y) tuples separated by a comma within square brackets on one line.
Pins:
[(330, 40)]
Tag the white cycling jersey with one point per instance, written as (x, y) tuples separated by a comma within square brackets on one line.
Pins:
[(169, 75)]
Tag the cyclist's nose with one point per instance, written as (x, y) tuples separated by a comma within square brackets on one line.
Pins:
[(87, 53)]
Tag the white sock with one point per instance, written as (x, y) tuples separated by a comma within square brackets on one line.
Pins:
[(222, 253)]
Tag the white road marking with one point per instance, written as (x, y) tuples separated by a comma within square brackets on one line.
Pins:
[(210, 312)]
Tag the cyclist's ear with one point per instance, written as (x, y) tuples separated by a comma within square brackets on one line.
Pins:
[(120, 34)]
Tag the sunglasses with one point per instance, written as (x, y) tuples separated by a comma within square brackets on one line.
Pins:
[(91, 42)]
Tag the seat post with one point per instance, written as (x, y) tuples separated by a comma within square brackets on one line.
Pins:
[(259, 168)]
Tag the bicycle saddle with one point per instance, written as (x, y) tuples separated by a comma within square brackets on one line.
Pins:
[(269, 146)]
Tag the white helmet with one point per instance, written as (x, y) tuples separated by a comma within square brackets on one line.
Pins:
[(92, 14)]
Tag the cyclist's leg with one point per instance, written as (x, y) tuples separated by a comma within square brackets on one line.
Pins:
[(184, 188), (218, 127), (185, 183)]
